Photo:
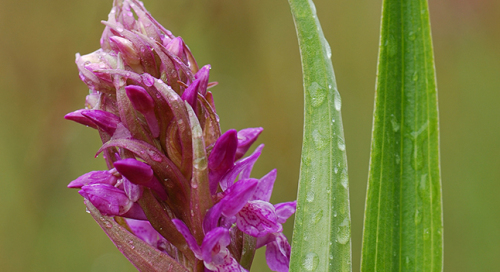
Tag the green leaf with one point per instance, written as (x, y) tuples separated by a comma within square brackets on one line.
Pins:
[(322, 231), (403, 217)]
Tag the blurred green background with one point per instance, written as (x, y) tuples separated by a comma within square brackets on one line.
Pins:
[(253, 51)]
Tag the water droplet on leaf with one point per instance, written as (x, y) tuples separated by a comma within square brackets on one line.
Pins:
[(337, 102), (311, 261), (317, 94), (310, 196)]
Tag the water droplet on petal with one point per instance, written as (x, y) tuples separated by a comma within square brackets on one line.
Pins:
[(154, 156), (107, 224), (148, 80), (119, 27)]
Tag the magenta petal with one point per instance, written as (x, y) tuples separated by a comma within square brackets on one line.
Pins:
[(246, 137), (144, 231), (228, 179), (278, 254), (103, 119), (176, 46), (193, 245), (237, 196), (247, 170), (224, 262), (140, 98), (143, 103), (108, 199), (133, 191), (214, 241), (265, 186), (212, 216), (191, 94), (135, 212), (93, 177), (285, 210), (264, 240), (202, 75), (222, 157), (77, 116), (258, 218), (135, 171)]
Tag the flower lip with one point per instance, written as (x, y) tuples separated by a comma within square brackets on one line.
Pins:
[(107, 198)]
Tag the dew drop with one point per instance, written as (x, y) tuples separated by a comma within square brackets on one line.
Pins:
[(415, 76), (337, 102), (328, 50), (319, 140), (119, 27), (87, 210), (395, 123), (344, 178), (418, 217), (336, 170), (107, 224), (148, 80), (341, 145), (412, 36), (334, 213), (344, 232), (154, 156), (317, 216), (427, 234), (313, 7), (310, 196), (317, 94), (311, 261), (422, 188)]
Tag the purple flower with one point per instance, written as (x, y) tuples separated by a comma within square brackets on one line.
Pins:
[(213, 251), (188, 185)]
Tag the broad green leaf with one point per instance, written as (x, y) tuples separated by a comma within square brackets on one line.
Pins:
[(322, 232), (403, 216)]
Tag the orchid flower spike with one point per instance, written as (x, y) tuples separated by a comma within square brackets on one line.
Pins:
[(177, 189)]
